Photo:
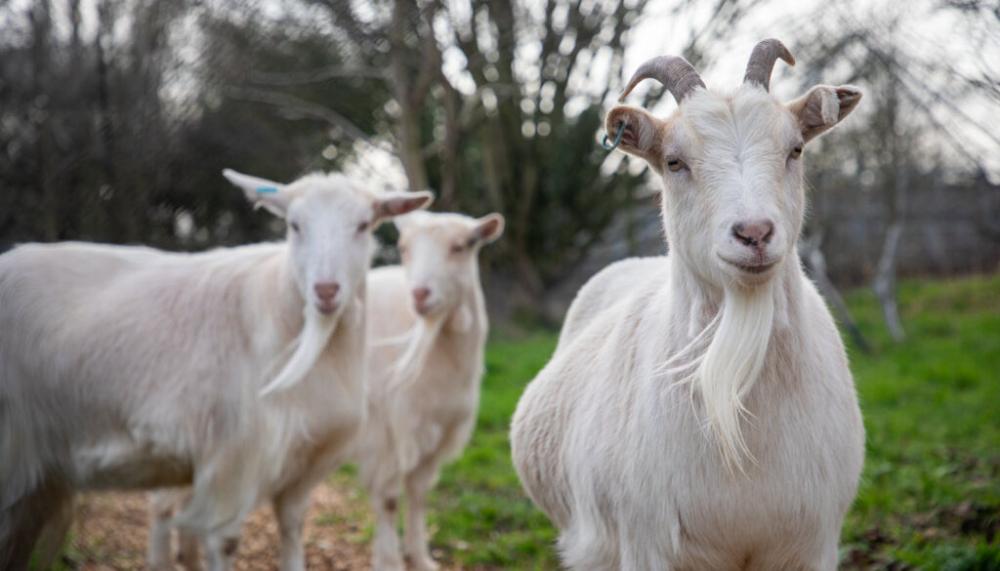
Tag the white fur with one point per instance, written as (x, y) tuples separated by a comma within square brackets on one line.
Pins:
[(125, 367), (694, 415), (425, 384)]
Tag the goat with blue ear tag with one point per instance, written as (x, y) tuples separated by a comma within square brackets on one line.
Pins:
[(237, 372)]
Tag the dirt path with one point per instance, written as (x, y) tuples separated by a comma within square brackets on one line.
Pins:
[(111, 529)]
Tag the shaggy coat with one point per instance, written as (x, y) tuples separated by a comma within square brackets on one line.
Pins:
[(698, 412)]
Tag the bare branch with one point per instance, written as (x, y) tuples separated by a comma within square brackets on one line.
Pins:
[(299, 105), (305, 77)]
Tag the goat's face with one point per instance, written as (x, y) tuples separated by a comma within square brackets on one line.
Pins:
[(733, 202), (733, 199), (330, 219), (439, 253)]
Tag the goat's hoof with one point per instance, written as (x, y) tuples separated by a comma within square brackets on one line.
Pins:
[(423, 563), (387, 564)]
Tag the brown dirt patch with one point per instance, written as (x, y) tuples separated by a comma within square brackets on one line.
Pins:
[(110, 531)]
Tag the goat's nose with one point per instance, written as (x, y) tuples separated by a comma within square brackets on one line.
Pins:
[(754, 233), (326, 291), (420, 294)]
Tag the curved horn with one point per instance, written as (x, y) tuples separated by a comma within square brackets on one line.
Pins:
[(674, 72), (762, 61)]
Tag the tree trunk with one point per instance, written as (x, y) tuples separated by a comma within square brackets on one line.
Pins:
[(105, 126), (41, 24), (409, 99), (811, 252), (410, 149), (885, 281), (895, 188)]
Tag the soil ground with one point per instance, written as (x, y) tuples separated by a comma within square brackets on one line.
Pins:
[(110, 531)]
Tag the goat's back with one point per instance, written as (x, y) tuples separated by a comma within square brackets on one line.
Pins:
[(100, 346), (608, 287)]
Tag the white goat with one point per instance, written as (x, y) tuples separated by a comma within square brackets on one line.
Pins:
[(698, 412), (426, 363), (235, 371)]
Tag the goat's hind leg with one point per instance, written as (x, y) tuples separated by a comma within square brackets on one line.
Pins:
[(161, 511), (53, 538), (386, 555), (46, 509)]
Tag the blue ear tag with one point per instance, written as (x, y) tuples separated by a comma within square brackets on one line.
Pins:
[(267, 190), (618, 138)]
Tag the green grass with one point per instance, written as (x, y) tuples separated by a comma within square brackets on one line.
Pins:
[(930, 493), (482, 517)]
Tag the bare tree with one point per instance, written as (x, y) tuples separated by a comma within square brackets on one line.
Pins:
[(917, 109)]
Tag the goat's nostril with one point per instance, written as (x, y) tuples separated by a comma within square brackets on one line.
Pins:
[(421, 294), (326, 291), (754, 233)]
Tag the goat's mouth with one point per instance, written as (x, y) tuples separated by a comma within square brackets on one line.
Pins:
[(327, 308), (425, 308), (755, 268)]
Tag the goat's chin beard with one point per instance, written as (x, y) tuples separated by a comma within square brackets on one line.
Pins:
[(316, 331), (732, 364)]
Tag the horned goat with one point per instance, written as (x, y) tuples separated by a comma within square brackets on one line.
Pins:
[(698, 412)]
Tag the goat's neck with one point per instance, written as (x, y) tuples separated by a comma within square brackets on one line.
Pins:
[(272, 303), (694, 302), (467, 323)]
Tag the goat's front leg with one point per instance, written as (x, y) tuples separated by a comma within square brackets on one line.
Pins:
[(162, 505), (290, 507), (161, 511), (188, 555), (220, 550), (385, 548), (415, 540)]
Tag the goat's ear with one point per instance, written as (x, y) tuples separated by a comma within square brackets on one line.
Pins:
[(488, 228), (396, 203), (822, 107), (261, 192), (643, 135)]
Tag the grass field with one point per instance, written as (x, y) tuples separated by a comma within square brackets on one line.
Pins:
[(930, 494), (929, 497)]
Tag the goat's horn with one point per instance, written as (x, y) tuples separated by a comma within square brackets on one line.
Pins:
[(674, 72), (762, 61)]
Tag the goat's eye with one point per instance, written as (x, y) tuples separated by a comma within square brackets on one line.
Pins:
[(294, 226), (457, 248), (675, 165), (796, 152), (363, 226)]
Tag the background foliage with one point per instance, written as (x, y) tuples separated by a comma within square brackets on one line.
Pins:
[(116, 117)]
